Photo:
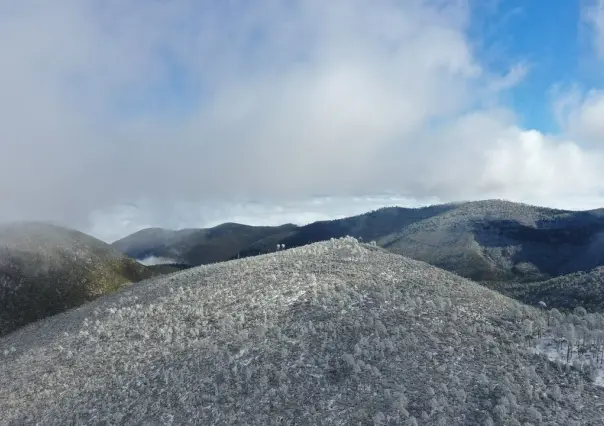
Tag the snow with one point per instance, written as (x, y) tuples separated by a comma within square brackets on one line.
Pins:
[(547, 346)]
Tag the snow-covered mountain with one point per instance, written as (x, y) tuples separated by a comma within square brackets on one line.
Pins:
[(334, 333)]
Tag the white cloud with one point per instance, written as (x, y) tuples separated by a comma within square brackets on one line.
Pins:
[(155, 260), (595, 17), (587, 120), (285, 100), (579, 110), (515, 75), (531, 164), (580, 113)]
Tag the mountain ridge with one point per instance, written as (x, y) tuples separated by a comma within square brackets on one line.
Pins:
[(482, 240), (196, 246)]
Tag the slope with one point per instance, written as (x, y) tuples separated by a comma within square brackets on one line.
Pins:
[(198, 246), (499, 240), (368, 226), (483, 240), (333, 333), (46, 269), (584, 289)]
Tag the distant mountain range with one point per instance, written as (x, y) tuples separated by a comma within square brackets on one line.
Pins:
[(490, 240), (46, 269), (201, 246)]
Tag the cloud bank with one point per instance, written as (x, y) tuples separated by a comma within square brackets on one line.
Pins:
[(109, 102)]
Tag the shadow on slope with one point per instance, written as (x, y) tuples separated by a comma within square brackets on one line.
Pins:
[(502, 241), (332, 333), (584, 289), (553, 247), (47, 269)]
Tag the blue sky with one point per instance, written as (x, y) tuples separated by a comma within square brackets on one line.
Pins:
[(177, 106), (551, 38)]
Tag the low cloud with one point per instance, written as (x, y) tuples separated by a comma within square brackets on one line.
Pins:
[(586, 119), (155, 260), (207, 103)]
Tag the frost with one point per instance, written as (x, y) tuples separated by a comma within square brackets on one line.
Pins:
[(331, 333)]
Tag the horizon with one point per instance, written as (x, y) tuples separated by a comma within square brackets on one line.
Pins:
[(308, 216), (177, 114), (114, 234)]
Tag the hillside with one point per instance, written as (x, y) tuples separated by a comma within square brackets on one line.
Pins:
[(585, 289), (198, 246), (483, 240), (167, 268), (334, 333), (47, 269), (499, 240)]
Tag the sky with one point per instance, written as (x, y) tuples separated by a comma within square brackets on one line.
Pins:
[(119, 115)]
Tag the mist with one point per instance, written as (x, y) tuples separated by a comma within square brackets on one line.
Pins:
[(213, 103)]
